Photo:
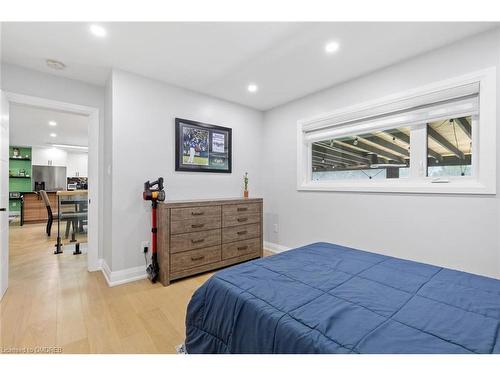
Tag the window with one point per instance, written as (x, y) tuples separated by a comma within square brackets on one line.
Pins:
[(380, 154), (449, 147), (436, 139)]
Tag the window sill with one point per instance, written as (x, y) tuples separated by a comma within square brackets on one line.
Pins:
[(425, 187)]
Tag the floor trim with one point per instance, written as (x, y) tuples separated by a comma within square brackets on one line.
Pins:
[(97, 266), (114, 278), (274, 247)]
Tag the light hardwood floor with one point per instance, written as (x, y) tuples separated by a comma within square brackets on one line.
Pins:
[(53, 301)]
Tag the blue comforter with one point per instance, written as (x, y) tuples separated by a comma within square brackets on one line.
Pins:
[(325, 298)]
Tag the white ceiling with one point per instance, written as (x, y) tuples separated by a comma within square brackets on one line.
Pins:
[(286, 60), (29, 126)]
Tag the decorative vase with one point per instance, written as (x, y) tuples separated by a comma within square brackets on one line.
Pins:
[(245, 194)]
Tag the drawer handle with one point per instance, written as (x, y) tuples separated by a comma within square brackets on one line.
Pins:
[(197, 225), (242, 247), (198, 241), (242, 232), (197, 213), (242, 219), (201, 257), (239, 209)]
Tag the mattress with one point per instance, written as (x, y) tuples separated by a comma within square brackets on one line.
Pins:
[(326, 298)]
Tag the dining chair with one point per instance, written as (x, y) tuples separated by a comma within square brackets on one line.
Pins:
[(50, 215), (69, 218)]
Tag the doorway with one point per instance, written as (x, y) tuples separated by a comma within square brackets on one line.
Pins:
[(74, 177)]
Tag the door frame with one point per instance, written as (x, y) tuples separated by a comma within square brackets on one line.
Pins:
[(4, 194), (93, 261)]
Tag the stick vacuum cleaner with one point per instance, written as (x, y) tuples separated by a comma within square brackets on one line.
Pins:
[(153, 191)]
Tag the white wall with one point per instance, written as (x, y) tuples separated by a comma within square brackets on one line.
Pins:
[(460, 232), (30, 82), (143, 113)]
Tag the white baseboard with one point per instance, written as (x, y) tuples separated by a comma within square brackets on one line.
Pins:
[(128, 275), (274, 247), (97, 266)]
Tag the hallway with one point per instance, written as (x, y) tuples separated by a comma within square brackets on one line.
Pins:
[(53, 301)]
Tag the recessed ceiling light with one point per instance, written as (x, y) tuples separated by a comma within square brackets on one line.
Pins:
[(332, 47), (252, 87), (52, 123), (98, 31), (53, 135), (54, 64)]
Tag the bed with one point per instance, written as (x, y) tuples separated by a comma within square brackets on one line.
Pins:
[(326, 298)]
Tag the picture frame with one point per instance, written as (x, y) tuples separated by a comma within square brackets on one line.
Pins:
[(202, 147)]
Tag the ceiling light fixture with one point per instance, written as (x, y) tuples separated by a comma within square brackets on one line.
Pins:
[(252, 87), (70, 146), (332, 47), (53, 135), (56, 65), (52, 123), (98, 31)]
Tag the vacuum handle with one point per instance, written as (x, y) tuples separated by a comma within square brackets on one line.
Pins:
[(149, 185), (158, 182)]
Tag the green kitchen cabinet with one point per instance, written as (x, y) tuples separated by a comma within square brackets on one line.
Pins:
[(20, 172)]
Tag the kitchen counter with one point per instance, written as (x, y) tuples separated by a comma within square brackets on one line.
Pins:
[(68, 193), (34, 210), (34, 207)]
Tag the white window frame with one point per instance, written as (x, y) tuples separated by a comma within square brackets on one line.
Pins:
[(483, 179)]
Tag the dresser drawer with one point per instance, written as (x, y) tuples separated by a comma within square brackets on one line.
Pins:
[(195, 225), (194, 258), (231, 220), (194, 212), (194, 240), (237, 209), (240, 232), (236, 249)]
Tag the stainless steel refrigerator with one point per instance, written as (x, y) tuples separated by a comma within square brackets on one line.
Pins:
[(49, 178)]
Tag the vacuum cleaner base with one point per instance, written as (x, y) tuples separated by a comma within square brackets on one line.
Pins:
[(153, 273)]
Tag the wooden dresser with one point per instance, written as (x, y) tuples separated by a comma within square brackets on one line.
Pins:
[(202, 235)]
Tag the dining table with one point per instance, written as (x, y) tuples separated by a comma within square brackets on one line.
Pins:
[(72, 207)]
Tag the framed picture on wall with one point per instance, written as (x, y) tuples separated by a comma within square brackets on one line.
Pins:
[(201, 147)]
